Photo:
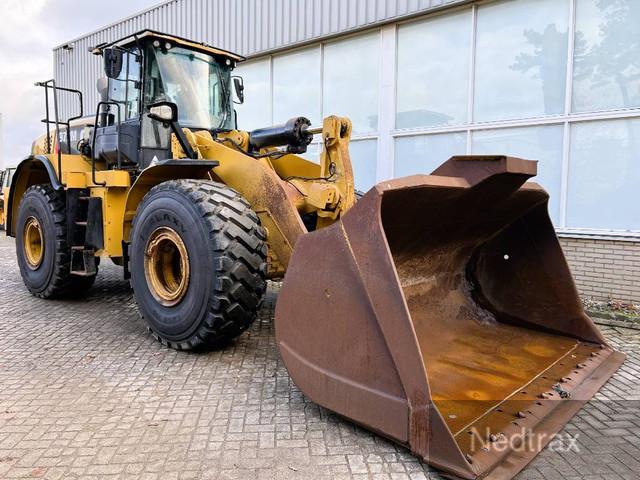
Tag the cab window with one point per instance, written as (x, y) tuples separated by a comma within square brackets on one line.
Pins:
[(125, 90)]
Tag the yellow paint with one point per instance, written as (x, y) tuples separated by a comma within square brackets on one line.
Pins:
[(4, 202), (111, 178), (278, 198), (166, 266), (113, 206), (32, 243)]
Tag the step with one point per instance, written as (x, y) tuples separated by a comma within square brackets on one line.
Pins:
[(81, 273), (81, 224)]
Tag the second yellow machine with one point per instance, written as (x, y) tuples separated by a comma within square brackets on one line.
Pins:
[(437, 310)]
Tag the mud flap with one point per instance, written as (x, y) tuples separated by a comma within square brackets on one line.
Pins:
[(440, 312)]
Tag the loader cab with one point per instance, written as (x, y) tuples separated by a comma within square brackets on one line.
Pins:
[(150, 70)]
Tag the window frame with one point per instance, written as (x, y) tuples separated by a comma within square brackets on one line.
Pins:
[(565, 119), (130, 87), (317, 142), (387, 132)]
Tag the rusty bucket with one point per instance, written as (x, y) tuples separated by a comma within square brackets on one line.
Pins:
[(441, 313)]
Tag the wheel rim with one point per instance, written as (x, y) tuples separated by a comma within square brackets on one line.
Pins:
[(166, 266), (33, 243)]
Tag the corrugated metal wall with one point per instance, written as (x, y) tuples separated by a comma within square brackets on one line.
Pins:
[(248, 27)]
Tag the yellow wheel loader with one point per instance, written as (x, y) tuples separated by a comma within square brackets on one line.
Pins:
[(5, 182), (437, 310)]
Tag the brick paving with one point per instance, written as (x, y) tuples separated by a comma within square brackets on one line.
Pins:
[(85, 392)]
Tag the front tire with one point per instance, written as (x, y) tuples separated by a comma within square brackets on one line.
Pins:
[(198, 263)]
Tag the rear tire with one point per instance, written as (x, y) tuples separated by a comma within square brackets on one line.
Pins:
[(44, 257), (198, 263)]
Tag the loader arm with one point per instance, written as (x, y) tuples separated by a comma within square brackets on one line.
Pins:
[(283, 188)]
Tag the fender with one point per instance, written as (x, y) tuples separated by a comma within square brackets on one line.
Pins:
[(156, 174), (33, 170)]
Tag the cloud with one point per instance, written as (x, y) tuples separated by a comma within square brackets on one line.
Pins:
[(30, 30)]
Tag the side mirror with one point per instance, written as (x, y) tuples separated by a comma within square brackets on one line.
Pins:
[(166, 112), (113, 59), (238, 84)]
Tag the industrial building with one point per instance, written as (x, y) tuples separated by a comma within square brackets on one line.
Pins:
[(422, 80)]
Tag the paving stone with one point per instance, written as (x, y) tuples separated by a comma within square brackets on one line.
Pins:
[(85, 392)]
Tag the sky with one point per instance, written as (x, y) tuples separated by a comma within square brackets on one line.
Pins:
[(30, 30)]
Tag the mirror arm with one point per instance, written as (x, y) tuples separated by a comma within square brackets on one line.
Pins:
[(182, 140)]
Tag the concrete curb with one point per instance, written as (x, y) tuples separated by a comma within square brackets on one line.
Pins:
[(614, 319)]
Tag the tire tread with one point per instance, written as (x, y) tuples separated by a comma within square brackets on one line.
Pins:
[(240, 260)]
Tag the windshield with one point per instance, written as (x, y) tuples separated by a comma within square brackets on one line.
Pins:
[(196, 82)]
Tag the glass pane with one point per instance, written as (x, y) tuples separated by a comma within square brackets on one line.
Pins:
[(350, 85), (313, 152), (425, 153), (296, 86), (606, 72), (543, 144), (521, 59), (123, 89), (155, 134), (364, 156), (256, 111), (433, 71), (604, 174)]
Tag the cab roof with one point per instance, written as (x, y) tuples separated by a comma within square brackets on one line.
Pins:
[(131, 40)]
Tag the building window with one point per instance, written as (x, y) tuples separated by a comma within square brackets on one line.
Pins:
[(514, 99), (521, 59), (256, 112), (363, 155), (491, 78), (350, 83), (433, 71), (336, 78), (606, 73), (422, 154), (543, 143), (296, 86), (604, 174)]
